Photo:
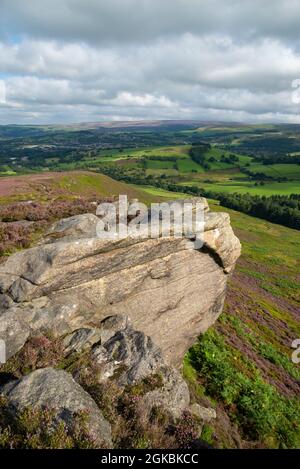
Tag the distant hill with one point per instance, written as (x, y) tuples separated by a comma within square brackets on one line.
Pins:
[(68, 185)]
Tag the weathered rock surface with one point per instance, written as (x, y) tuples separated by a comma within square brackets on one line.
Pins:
[(76, 227), (171, 291), (206, 414), (111, 325), (173, 395), (56, 390), (128, 357), (81, 339), (130, 354)]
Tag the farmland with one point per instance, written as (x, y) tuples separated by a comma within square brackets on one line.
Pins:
[(258, 159)]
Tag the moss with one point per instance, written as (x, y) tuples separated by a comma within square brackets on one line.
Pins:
[(106, 395), (159, 415), (142, 443), (119, 371)]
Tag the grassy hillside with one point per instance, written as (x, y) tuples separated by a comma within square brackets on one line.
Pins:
[(242, 366), (65, 185), (28, 204)]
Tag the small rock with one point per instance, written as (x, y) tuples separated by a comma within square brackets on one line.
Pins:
[(102, 358), (207, 414), (76, 227), (81, 340), (56, 389), (21, 290), (111, 325), (173, 395), (6, 280), (5, 302), (131, 354)]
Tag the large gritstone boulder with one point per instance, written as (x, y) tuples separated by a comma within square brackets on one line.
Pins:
[(171, 290)]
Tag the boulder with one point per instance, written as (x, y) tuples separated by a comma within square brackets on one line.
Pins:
[(206, 414), (129, 355), (173, 395), (172, 289), (130, 358), (57, 390)]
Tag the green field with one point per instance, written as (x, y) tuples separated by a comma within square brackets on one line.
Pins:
[(220, 176), (160, 193), (291, 171), (156, 164), (180, 151), (243, 187), (187, 166)]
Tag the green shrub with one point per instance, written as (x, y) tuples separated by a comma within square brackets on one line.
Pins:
[(260, 411), (207, 434)]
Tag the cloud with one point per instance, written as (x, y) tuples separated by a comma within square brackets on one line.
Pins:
[(71, 60), (135, 20), (2, 92), (145, 100)]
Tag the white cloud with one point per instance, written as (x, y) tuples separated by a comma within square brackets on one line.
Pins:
[(145, 100), (105, 21), (73, 60)]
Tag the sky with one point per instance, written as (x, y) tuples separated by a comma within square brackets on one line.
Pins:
[(64, 61)]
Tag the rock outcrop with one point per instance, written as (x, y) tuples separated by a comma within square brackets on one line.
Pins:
[(56, 390), (112, 370), (128, 357), (171, 291)]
